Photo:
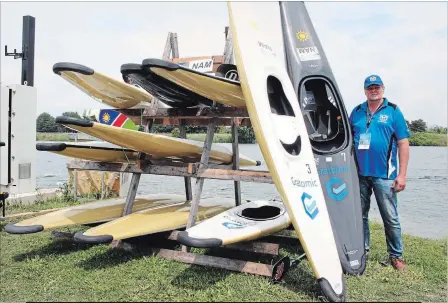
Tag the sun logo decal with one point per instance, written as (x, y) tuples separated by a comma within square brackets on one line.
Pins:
[(254, 25), (302, 36), (106, 118)]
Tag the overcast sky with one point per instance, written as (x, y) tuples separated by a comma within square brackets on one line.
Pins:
[(404, 42)]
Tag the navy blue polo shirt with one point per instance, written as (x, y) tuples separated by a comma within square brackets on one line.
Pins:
[(387, 126)]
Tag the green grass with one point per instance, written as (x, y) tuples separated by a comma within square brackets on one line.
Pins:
[(52, 137), (57, 202), (217, 138), (36, 268)]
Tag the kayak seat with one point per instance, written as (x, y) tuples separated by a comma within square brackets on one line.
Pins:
[(321, 116)]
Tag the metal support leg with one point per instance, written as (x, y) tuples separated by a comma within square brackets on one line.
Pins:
[(200, 181), (236, 160)]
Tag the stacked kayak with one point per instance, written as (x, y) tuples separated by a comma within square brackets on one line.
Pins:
[(153, 220), (91, 150), (157, 146), (102, 88), (89, 213), (166, 91)]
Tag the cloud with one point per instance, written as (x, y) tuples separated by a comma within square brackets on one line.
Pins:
[(406, 43), (410, 53)]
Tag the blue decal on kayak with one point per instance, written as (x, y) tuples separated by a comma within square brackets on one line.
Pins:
[(310, 205), (231, 225), (337, 189)]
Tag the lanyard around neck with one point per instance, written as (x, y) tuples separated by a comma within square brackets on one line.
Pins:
[(370, 117)]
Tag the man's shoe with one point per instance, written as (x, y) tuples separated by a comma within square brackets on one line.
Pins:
[(398, 264)]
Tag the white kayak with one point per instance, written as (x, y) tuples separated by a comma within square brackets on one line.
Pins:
[(282, 136), (246, 222)]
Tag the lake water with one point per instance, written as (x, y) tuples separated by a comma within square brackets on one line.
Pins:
[(423, 206)]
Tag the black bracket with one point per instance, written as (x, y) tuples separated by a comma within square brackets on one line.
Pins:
[(3, 197), (15, 54), (280, 268)]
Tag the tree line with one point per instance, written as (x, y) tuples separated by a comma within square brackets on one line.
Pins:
[(45, 123), (419, 126)]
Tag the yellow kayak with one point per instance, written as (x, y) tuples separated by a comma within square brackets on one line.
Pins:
[(215, 88), (153, 220), (102, 88), (93, 212), (158, 146)]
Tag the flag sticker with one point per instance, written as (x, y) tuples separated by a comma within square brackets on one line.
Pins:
[(117, 119)]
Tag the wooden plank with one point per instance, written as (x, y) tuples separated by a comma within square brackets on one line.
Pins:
[(200, 181), (236, 161), (236, 175), (182, 129), (174, 45), (167, 49), (201, 121), (132, 192), (181, 171), (187, 180), (191, 112), (228, 48), (256, 247), (217, 262)]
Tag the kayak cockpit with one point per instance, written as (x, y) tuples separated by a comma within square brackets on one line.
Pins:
[(322, 114)]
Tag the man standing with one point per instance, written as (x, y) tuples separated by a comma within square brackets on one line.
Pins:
[(379, 129)]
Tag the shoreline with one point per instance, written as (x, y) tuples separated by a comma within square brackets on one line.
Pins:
[(428, 139)]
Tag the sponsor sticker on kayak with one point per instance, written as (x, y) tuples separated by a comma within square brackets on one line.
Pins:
[(310, 205), (308, 53), (337, 189), (203, 66)]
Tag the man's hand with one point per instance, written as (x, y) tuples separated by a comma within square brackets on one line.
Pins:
[(399, 183)]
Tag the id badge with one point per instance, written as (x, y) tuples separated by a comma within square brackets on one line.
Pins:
[(364, 141)]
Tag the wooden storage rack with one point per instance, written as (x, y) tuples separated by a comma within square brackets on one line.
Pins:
[(212, 117)]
